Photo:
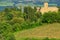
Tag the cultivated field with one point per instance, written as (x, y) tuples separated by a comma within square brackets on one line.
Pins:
[(47, 30)]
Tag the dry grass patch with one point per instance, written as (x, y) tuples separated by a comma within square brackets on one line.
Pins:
[(48, 30)]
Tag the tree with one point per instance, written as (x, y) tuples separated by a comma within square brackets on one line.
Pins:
[(49, 17), (30, 13)]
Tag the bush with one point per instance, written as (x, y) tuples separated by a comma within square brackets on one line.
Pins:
[(58, 17), (10, 37), (46, 38), (5, 27), (6, 31), (31, 39), (8, 16), (17, 20), (52, 39), (25, 25), (16, 27), (49, 17)]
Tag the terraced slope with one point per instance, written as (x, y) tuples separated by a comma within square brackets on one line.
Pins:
[(48, 30)]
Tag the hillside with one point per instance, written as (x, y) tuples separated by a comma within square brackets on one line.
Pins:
[(48, 30)]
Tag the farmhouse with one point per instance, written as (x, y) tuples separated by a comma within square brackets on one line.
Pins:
[(47, 8)]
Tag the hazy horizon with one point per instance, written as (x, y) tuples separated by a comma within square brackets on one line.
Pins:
[(30, 1)]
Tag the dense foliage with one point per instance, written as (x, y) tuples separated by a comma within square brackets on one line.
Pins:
[(51, 17), (12, 20)]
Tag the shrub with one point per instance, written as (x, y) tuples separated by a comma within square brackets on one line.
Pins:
[(25, 25), (53, 39), (49, 17), (8, 16), (5, 27), (46, 38), (17, 20), (58, 17), (30, 39), (6, 31), (10, 37), (16, 27)]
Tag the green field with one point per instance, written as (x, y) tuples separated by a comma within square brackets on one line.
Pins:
[(47, 30)]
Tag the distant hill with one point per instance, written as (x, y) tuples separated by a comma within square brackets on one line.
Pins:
[(34, 2)]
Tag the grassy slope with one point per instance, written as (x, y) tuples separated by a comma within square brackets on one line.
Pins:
[(48, 30)]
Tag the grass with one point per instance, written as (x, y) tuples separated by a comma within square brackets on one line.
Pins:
[(48, 30)]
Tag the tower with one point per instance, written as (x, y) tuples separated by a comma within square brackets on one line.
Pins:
[(46, 4)]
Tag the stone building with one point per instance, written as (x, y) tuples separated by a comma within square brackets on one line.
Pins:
[(47, 8)]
